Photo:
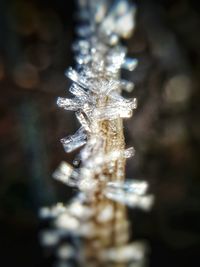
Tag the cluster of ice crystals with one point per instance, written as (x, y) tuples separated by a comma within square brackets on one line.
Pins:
[(96, 100)]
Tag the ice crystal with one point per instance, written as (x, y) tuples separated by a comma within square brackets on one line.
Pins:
[(75, 141), (98, 171)]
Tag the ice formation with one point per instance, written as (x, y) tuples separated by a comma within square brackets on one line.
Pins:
[(98, 214)]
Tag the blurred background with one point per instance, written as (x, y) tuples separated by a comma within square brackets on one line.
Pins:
[(35, 49)]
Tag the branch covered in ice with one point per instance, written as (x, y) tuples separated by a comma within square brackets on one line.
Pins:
[(99, 106)]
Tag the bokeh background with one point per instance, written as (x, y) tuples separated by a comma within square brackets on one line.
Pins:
[(35, 50)]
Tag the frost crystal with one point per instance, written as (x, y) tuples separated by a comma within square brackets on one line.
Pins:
[(66, 174), (98, 211), (75, 141)]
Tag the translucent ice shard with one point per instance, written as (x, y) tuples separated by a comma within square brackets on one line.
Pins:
[(131, 186), (82, 78), (112, 38), (120, 19), (67, 222), (126, 103), (79, 91), (112, 112), (135, 201), (119, 8), (130, 64), (79, 210), (76, 77), (88, 230), (130, 193), (100, 11), (83, 59), (120, 101), (84, 121), (127, 86), (87, 184), (94, 146), (81, 46), (65, 252), (125, 24), (69, 104), (119, 107), (84, 30), (106, 213), (116, 154), (115, 59), (52, 212), (130, 252), (76, 225), (106, 86), (129, 152), (66, 174), (73, 142), (49, 238)]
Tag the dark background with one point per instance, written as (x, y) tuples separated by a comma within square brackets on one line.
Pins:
[(35, 50)]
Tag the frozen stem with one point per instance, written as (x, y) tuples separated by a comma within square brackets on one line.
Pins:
[(97, 216)]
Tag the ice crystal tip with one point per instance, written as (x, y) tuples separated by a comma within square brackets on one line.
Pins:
[(81, 45), (78, 91), (112, 112), (129, 152), (128, 253), (67, 222), (117, 154), (133, 103), (78, 210), (113, 38), (65, 252), (76, 77), (88, 184), (147, 202), (120, 19), (84, 121), (83, 59), (132, 194), (46, 212), (129, 186), (72, 74), (63, 172), (68, 104), (130, 64), (127, 86), (49, 238), (106, 214), (100, 11), (75, 141)]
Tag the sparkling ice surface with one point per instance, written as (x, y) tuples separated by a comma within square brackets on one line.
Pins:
[(96, 100)]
